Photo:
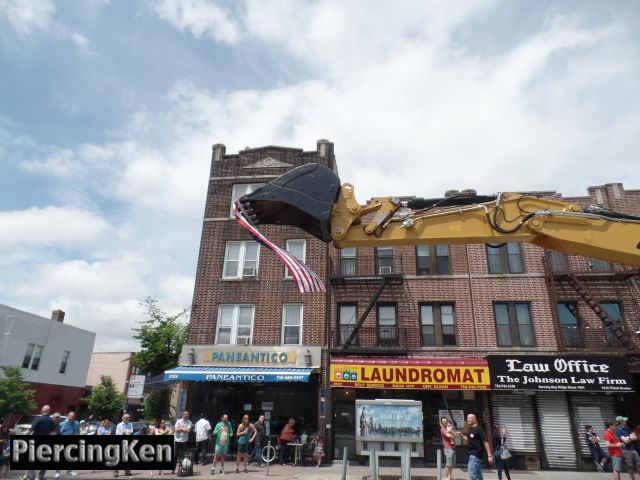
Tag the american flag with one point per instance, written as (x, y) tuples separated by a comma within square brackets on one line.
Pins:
[(306, 279)]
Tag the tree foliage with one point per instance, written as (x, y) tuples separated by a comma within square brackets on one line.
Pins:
[(105, 400), (156, 405), (15, 396), (161, 338)]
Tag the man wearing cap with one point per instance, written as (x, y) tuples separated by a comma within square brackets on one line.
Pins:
[(629, 452)]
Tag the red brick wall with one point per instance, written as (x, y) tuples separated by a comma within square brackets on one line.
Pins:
[(269, 290), (470, 287)]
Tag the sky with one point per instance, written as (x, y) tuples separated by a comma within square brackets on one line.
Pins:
[(109, 109)]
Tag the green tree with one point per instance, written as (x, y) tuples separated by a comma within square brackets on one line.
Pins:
[(161, 338), (105, 400), (15, 397), (156, 405)]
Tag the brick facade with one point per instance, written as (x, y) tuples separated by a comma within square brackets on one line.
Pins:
[(469, 286)]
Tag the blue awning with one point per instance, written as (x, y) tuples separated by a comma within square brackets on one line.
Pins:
[(238, 374)]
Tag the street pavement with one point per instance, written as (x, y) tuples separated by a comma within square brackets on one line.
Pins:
[(329, 472)]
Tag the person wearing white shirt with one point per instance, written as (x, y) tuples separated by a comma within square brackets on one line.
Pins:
[(203, 433), (124, 428), (181, 434)]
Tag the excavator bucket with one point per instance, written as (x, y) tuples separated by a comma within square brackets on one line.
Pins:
[(301, 198)]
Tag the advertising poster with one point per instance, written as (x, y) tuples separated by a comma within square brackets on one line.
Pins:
[(389, 421)]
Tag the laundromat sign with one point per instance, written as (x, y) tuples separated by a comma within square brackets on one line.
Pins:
[(410, 373), (553, 373)]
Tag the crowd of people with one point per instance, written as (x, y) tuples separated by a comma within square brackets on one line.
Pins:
[(620, 445)]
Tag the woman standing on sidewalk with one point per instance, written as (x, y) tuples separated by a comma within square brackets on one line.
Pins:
[(286, 435), (246, 434), (498, 438)]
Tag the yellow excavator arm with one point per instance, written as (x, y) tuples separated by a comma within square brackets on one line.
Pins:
[(311, 198), (512, 217)]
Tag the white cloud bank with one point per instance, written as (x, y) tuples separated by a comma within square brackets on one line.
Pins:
[(411, 107)]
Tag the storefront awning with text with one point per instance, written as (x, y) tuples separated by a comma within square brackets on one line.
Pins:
[(238, 374)]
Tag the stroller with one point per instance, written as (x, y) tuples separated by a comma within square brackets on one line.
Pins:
[(186, 459)]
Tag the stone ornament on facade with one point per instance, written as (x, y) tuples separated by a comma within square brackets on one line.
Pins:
[(269, 162)]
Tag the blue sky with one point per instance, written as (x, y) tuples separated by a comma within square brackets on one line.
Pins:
[(108, 111)]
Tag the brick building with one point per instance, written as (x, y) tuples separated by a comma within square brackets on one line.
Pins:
[(257, 345)]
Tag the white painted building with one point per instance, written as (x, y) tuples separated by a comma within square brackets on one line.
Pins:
[(54, 356)]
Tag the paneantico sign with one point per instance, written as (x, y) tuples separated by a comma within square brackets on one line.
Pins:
[(539, 372)]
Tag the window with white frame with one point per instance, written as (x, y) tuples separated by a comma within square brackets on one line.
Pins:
[(240, 260), (32, 356), (65, 361), (297, 248), (241, 189), (292, 324), (234, 324)]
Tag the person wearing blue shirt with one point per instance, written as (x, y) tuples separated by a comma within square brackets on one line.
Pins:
[(42, 425), (69, 427), (629, 452)]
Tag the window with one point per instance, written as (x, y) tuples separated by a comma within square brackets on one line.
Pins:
[(384, 260), (65, 360), (387, 329), (612, 309), (240, 190), (234, 324), (240, 260), (513, 325), (597, 265), (348, 262), (32, 356), (297, 248), (347, 317), (438, 326), (571, 333), (506, 258), (292, 324), (558, 262), (433, 259)]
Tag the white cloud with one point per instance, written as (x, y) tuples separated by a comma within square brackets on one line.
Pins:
[(201, 17), (412, 109), (25, 17), (50, 226)]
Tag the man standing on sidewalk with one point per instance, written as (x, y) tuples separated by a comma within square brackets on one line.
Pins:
[(260, 442), (223, 433), (42, 425), (181, 434), (125, 427), (476, 438), (203, 433), (447, 435), (629, 452), (69, 427), (613, 445)]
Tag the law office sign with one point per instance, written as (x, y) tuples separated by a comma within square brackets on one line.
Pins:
[(564, 374)]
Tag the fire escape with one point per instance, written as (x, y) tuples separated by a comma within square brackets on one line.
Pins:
[(354, 277), (600, 283)]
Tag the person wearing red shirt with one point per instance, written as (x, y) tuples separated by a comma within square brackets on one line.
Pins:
[(613, 445)]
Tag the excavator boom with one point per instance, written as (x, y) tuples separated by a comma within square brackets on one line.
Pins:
[(311, 198)]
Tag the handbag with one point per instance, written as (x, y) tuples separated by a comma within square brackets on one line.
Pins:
[(505, 454)]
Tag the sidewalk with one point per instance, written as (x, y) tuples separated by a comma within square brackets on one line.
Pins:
[(330, 472)]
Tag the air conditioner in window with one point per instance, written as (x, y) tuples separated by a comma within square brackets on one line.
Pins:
[(385, 270), (249, 272)]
